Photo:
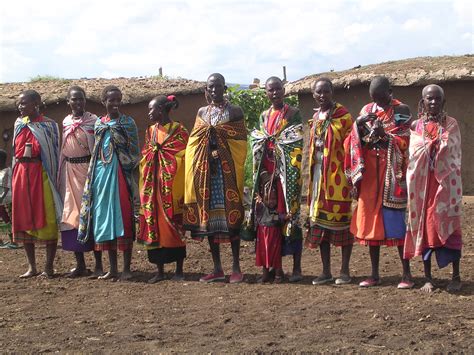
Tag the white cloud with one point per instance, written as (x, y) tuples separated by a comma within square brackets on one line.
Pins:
[(417, 24), (242, 39)]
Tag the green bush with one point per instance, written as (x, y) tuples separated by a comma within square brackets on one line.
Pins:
[(253, 102), (43, 78)]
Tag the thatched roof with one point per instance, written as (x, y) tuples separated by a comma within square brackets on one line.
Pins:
[(407, 72), (134, 89)]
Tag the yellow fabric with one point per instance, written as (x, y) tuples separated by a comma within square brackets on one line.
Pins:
[(191, 148), (50, 230), (238, 150), (333, 205)]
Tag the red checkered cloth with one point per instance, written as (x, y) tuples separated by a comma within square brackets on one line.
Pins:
[(339, 238), (218, 238), (122, 244), (25, 238), (387, 242)]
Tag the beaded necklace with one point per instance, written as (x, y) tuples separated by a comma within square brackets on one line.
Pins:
[(436, 137), (279, 118), (110, 147), (323, 126), (79, 118), (216, 113)]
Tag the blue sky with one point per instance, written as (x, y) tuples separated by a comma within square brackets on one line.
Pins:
[(240, 39)]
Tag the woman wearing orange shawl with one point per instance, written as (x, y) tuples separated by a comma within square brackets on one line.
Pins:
[(435, 188), (376, 158), (162, 188)]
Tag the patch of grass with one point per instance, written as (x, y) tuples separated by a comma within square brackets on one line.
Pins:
[(44, 78), (160, 77)]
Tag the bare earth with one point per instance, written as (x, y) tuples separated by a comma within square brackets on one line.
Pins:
[(86, 315)]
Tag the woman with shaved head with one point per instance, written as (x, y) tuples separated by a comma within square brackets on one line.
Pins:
[(376, 158), (214, 177), (435, 188)]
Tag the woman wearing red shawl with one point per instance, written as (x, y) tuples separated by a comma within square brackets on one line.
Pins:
[(162, 188), (76, 150), (329, 199), (435, 188), (376, 158), (36, 204)]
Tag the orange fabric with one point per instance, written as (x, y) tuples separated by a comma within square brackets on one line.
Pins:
[(168, 236), (367, 220)]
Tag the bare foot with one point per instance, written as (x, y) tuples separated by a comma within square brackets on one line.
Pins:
[(178, 277), (428, 287), (454, 286), (126, 275), (108, 276), (156, 278), (28, 274)]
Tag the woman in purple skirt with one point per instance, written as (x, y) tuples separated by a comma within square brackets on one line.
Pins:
[(76, 150)]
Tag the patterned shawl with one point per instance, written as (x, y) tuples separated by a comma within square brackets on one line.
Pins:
[(70, 125), (231, 137), (124, 139), (288, 145), (398, 132), (47, 134), (447, 171), (333, 184), (168, 185)]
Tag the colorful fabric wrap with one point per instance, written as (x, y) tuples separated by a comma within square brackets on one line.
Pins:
[(287, 141), (448, 198), (165, 188), (329, 198), (231, 147), (47, 134), (124, 141), (398, 135)]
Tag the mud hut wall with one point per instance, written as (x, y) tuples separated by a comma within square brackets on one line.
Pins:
[(460, 105), (186, 114)]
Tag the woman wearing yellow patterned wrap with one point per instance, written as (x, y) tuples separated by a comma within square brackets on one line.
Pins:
[(329, 197)]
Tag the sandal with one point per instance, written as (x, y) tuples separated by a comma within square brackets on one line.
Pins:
[(406, 285), (323, 279), (370, 282), (343, 280)]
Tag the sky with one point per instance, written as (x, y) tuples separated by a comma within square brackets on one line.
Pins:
[(240, 39)]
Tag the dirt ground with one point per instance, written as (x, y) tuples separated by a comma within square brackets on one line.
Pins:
[(86, 315)]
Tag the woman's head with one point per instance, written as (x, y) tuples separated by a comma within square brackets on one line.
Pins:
[(29, 102), (380, 91), (323, 91), (160, 107), (76, 99), (112, 100), (215, 88), (274, 90), (433, 100)]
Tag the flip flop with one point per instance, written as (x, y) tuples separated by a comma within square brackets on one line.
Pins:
[(213, 277), (343, 280), (236, 277), (370, 282), (406, 285), (321, 280), (295, 278)]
